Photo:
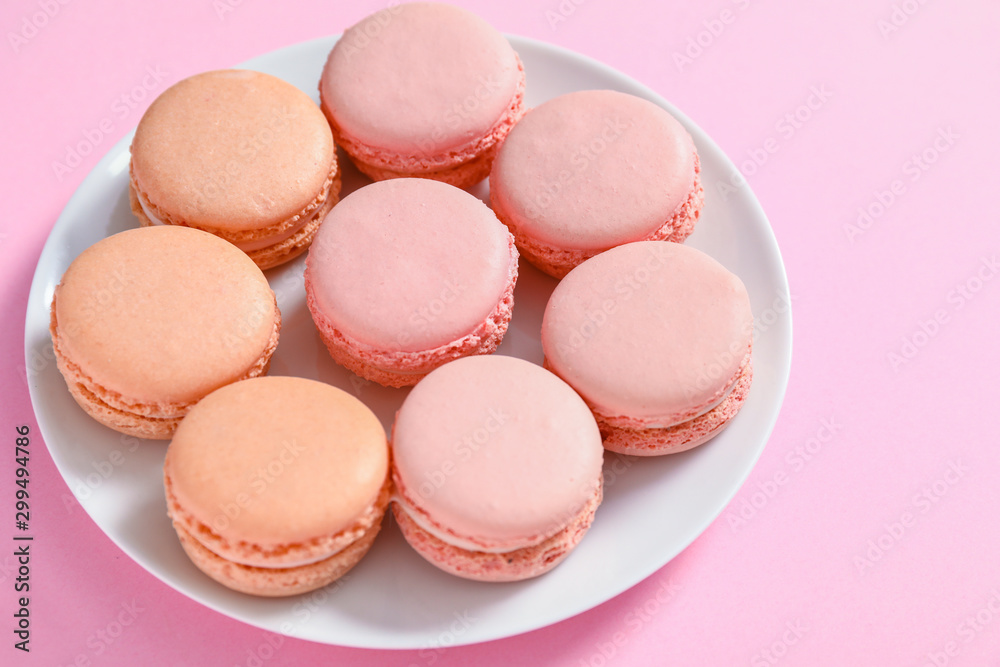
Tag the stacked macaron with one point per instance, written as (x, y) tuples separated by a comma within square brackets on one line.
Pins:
[(423, 89), (591, 170), (656, 337), (497, 468), (494, 470), (240, 154), (277, 485), (408, 274)]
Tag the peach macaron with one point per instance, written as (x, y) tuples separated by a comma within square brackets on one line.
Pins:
[(657, 338), (408, 274), (240, 154), (278, 485), (425, 90), (148, 321), (497, 469), (590, 170)]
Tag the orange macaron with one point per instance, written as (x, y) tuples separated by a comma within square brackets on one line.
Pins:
[(240, 154), (148, 321), (278, 485)]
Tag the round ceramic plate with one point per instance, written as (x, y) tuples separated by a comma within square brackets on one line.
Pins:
[(653, 508)]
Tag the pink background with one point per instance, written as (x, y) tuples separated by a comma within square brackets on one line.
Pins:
[(903, 450)]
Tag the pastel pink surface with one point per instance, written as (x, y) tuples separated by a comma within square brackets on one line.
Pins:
[(409, 265), (496, 452), (649, 331), (420, 78), (854, 300), (593, 169)]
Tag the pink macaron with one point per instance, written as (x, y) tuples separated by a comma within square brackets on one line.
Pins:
[(497, 468), (408, 274), (656, 337), (422, 89), (591, 170)]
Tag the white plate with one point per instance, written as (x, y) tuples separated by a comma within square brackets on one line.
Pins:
[(653, 508)]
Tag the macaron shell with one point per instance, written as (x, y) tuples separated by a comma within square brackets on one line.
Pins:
[(156, 421), (593, 169), (681, 437), (419, 78), (408, 265), (295, 461), (462, 168), (163, 315), (651, 330), (557, 262), (402, 369), (513, 565), (232, 150), (277, 582), (496, 452), (275, 245)]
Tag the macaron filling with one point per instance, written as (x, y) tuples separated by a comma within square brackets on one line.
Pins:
[(381, 163), (242, 245), (471, 543), (669, 420), (557, 260), (259, 239), (418, 363), (277, 557)]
